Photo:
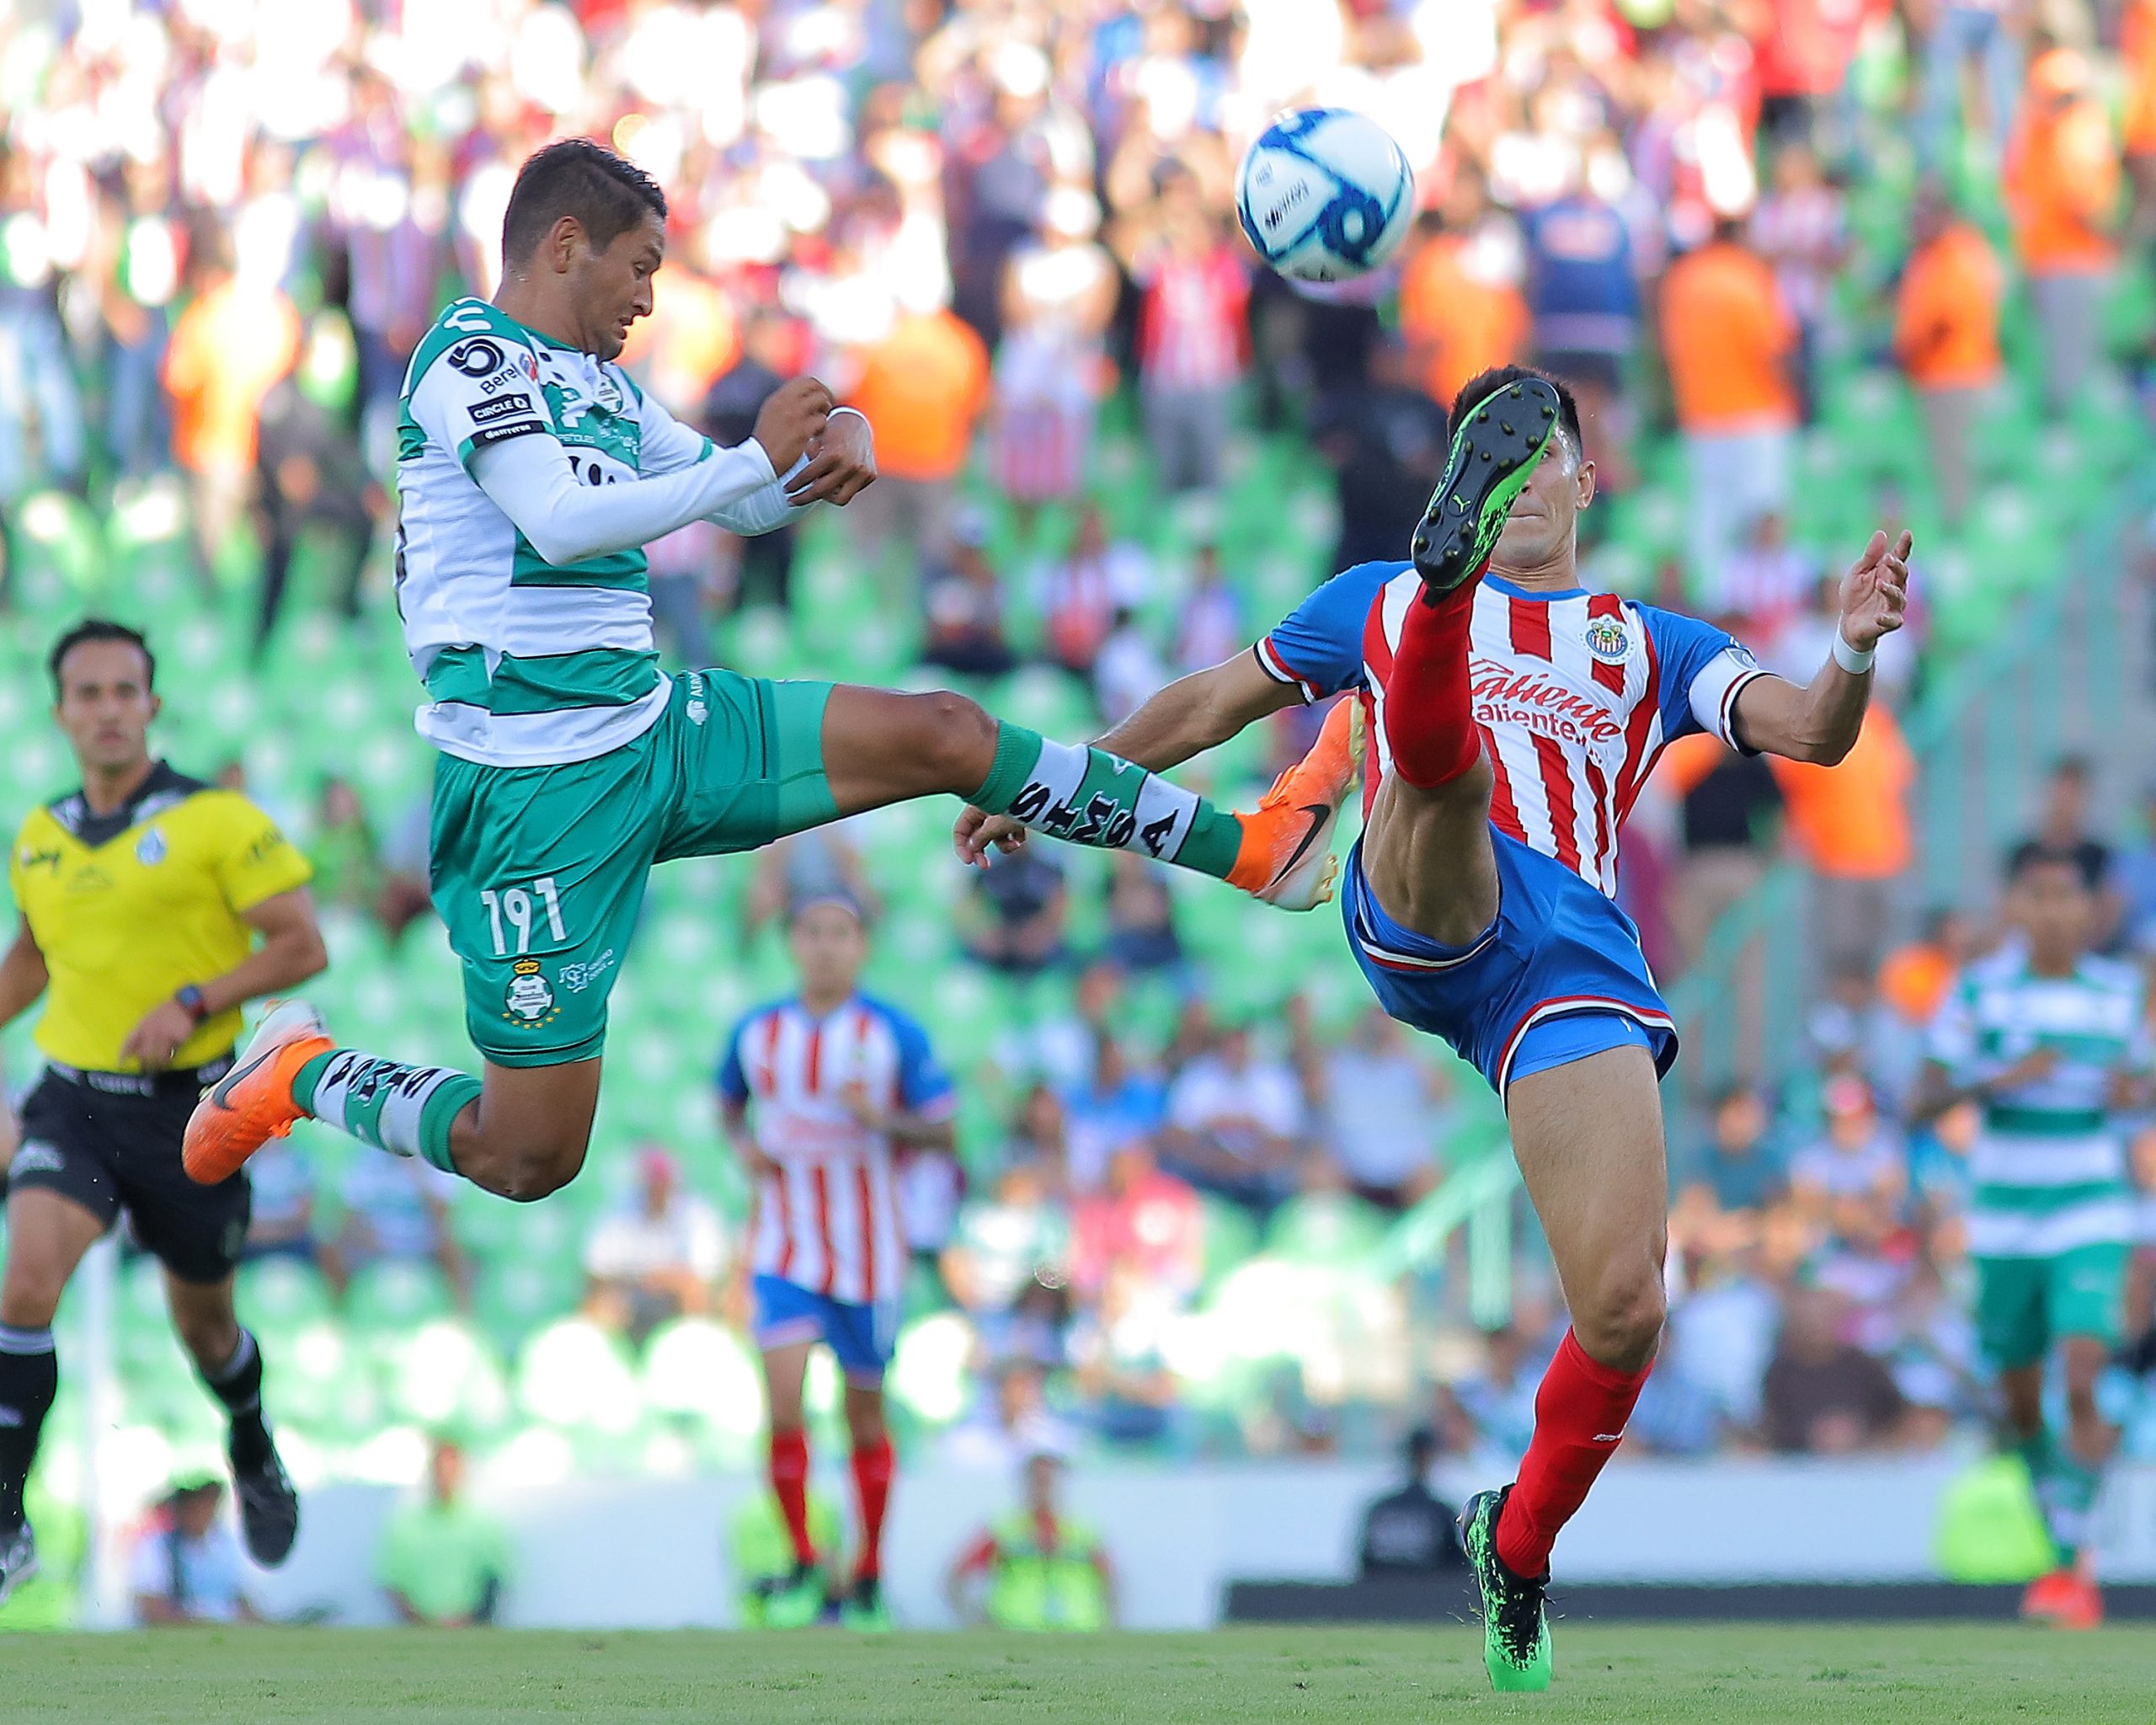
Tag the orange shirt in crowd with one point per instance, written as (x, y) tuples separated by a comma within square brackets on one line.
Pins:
[(922, 387), (689, 338), (2061, 186), (228, 350), (1725, 334), (1914, 979), (1946, 326), (1852, 821), (1457, 323)]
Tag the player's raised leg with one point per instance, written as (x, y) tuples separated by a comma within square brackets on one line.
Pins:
[(882, 747)]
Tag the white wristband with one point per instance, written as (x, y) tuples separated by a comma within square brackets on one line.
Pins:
[(1855, 663), (843, 409)]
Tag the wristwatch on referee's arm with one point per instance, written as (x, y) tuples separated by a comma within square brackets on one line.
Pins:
[(190, 998)]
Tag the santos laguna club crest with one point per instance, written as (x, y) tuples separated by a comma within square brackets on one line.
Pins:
[(529, 1000), (1609, 640)]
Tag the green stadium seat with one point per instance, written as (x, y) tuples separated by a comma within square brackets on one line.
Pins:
[(396, 1294), (929, 1371), (572, 1374), (694, 1369)]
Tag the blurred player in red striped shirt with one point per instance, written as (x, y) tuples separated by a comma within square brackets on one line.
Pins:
[(822, 1093)]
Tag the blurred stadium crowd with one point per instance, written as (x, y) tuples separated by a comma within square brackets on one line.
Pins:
[(1814, 265)]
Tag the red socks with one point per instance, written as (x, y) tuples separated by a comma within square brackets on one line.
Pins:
[(1579, 1414), (872, 1485), (1429, 722), (790, 1486)]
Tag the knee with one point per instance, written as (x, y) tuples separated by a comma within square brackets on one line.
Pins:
[(865, 1426), (524, 1172), (1620, 1323), (954, 738), (208, 1336), (27, 1301)]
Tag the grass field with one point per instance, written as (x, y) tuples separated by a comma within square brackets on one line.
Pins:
[(1612, 1675)]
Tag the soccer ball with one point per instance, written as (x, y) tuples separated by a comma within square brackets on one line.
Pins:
[(1325, 194)]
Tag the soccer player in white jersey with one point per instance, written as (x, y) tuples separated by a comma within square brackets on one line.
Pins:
[(2050, 1041), (532, 472), (821, 1093), (1511, 719)]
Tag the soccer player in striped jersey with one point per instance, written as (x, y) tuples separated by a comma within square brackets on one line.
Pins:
[(1511, 716), (821, 1093), (531, 473), (2049, 1042)]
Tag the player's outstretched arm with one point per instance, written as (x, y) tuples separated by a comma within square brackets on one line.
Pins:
[(1192, 714), (532, 481), (1819, 721)]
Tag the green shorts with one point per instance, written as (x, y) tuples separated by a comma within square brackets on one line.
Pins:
[(2024, 1305), (538, 872)]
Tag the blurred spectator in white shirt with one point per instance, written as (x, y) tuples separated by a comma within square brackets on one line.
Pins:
[(1235, 1124), (1384, 1111), (186, 1565), (1082, 592), (657, 1254)]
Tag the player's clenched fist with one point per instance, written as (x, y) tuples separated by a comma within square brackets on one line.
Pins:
[(794, 414)]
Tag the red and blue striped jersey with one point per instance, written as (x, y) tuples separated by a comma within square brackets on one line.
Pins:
[(828, 1220), (1576, 694)]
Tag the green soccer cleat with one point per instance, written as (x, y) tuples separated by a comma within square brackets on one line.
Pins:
[(863, 1609), (795, 1600), (17, 1558), (1493, 450), (1515, 1631)]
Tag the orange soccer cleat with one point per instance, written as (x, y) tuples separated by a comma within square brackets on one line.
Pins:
[(253, 1104), (1286, 858), (2068, 1598)]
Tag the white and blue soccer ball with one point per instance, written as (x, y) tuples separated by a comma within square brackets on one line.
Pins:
[(1325, 194)]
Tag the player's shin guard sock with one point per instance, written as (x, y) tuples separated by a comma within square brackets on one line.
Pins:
[(405, 1110), (239, 1384), (1579, 1415), (30, 1374), (1088, 797), (789, 1471), (1429, 721), (2067, 1494), (872, 1485)]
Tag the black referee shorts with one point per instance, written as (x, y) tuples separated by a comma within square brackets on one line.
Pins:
[(110, 1141)]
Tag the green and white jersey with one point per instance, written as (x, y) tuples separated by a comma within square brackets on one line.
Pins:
[(529, 661), (2048, 1167)]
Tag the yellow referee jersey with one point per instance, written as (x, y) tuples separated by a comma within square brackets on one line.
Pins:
[(130, 907)]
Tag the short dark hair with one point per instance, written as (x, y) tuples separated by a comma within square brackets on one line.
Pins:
[(608, 193), (98, 628), (1484, 384), (2031, 855)]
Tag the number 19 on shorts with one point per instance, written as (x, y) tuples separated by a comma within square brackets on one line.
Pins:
[(510, 914)]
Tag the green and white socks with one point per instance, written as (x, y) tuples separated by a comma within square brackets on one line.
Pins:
[(405, 1110), (1086, 796)]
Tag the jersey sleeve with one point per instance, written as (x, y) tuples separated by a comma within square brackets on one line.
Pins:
[(1702, 669), (474, 384), (255, 861), (923, 1086), (732, 1078), (1318, 649), (667, 446), (1951, 1040)]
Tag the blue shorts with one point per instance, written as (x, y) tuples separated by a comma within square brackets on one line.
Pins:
[(862, 1337), (1557, 977)]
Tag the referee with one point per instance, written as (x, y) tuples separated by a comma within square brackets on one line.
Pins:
[(140, 896)]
